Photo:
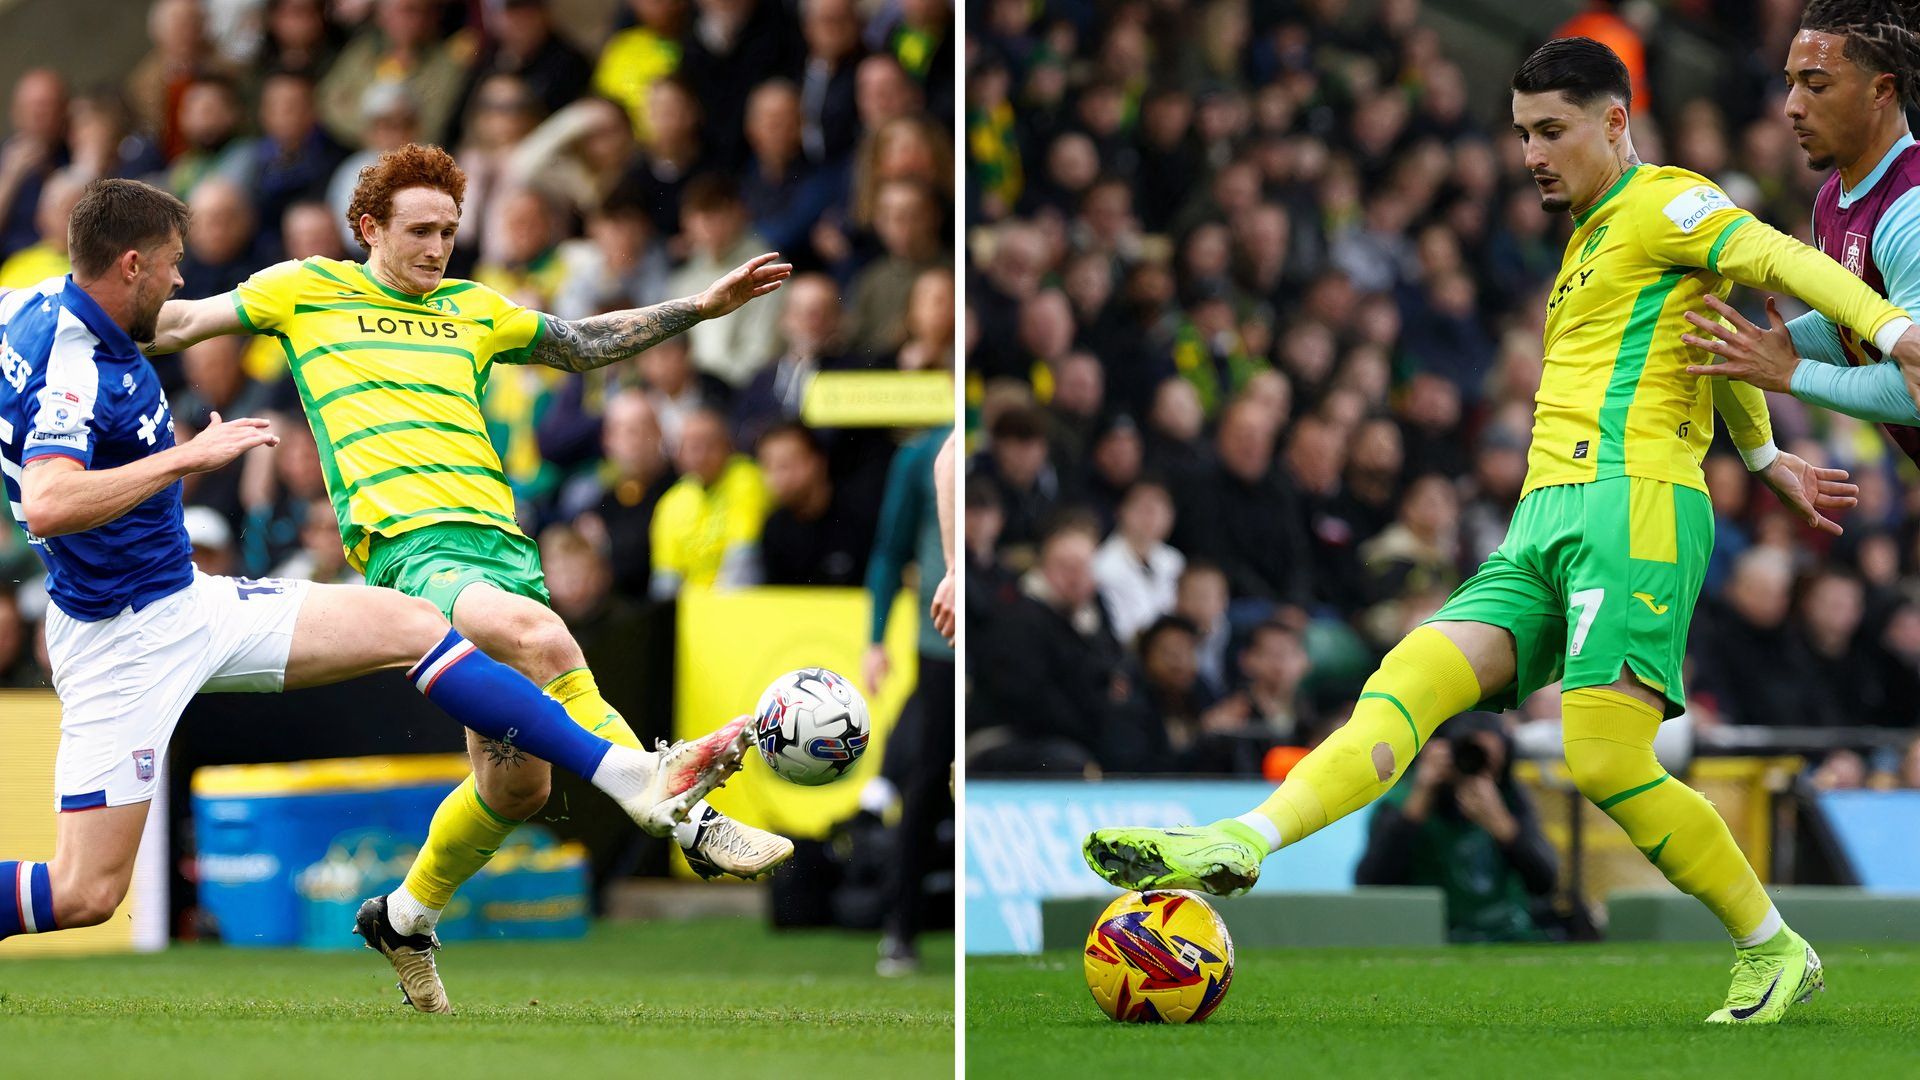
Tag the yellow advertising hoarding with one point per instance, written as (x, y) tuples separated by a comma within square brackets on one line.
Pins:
[(732, 644)]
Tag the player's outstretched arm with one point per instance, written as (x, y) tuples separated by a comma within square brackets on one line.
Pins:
[(188, 322), (1807, 489), (58, 495), (585, 344)]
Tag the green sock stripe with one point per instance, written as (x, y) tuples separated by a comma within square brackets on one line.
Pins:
[(1615, 800), (1411, 726), (492, 813)]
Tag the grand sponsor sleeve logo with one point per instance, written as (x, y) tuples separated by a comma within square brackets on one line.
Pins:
[(1694, 205)]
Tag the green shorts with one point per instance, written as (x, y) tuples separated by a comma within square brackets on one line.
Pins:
[(438, 561), (1592, 579)]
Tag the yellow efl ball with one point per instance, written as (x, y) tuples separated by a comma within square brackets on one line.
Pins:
[(1159, 958)]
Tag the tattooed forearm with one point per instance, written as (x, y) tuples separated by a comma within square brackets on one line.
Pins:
[(585, 344)]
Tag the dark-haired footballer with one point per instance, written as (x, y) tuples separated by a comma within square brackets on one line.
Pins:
[(1596, 581)]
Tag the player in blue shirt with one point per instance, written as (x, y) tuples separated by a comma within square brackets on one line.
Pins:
[(91, 469), (1852, 71)]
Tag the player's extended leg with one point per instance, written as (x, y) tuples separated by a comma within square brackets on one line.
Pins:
[(1439, 670), (1608, 737), (92, 866), (509, 786)]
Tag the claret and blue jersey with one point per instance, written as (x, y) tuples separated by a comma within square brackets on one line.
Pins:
[(74, 385)]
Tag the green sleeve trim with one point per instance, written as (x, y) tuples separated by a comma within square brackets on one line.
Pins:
[(524, 354), (1713, 253), (1615, 800), (240, 309)]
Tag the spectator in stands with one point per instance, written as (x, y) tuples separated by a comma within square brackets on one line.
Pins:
[(298, 40), (1201, 598), (1750, 659), (47, 258), (389, 118), (1114, 465), (499, 115), (520, 42), (674, 153), (1061, 698), (706, 528), (210, 120), (638, 57), (294, 158), (619, 263), (929, 329), (278, 492), (729, 349), (401, 45), (1273, 666), (830, 120), (675, 390), (105, 142), (1416, 555), (785, 193), (17, 669), (908, 224), (1458, 821), (1170, 679), (819, 532), (181, 54), (1831, 609), (733, 44), (212, 540), (578, 577), (1016, 462), (1244, 516), (580, 155), (1079, 402), (524, 263), (320, 557), (810, 325), (221, 241), (1137, 570), (615, 503)]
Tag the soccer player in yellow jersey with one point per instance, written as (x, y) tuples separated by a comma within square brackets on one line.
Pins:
[(1595, 583), (390, 358)]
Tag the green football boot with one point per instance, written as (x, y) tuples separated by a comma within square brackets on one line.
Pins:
[(1222, 859), (1782, 971)]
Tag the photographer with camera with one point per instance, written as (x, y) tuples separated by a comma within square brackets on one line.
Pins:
[(1458, 821)]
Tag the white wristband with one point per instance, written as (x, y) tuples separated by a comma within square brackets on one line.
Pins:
[(1760, 456), (1889, 335)]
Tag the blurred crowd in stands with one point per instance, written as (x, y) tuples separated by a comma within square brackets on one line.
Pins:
[(1253, 327), (621, 155)]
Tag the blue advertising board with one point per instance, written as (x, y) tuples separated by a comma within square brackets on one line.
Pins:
[(1878, 830), (1023, 845)]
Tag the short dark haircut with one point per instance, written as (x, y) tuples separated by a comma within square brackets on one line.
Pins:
[(1165, 624), (1023, 423), (116, 216), (1272, 626), (1581, 68), (1880, 38), (798, 432)]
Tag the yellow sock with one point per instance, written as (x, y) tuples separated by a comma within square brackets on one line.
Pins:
[(464, 834), (1423, 681), (580, 696), (1609, 744)]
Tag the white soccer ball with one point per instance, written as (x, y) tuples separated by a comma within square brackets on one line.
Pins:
[(811, 726)]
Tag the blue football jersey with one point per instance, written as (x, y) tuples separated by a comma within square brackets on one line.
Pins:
[(74, 385)]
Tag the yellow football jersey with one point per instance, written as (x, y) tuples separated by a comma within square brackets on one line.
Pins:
[(391, 384), (1615, 397), (693, 526)]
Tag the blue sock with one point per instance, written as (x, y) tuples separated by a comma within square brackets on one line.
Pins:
[(26, 899), (499, 702)]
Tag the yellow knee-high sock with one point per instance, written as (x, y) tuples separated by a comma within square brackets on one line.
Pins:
[(580, 696), (464, 834), (1608, 738), (1423, 681)]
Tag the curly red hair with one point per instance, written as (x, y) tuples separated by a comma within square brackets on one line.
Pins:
[(407, 166)]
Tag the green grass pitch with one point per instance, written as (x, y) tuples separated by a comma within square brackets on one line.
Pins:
[(1611, 1011), (708, 999)]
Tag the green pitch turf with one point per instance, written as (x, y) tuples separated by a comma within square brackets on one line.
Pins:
[(717, 998), (1611, 1011)]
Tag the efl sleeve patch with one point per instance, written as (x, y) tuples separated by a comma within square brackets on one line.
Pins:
[(1695, 205)]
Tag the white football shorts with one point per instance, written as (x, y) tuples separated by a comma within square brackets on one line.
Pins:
[(124, 681)]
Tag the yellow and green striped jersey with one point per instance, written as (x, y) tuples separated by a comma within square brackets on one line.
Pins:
[(1615, 397), (391, 384)]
